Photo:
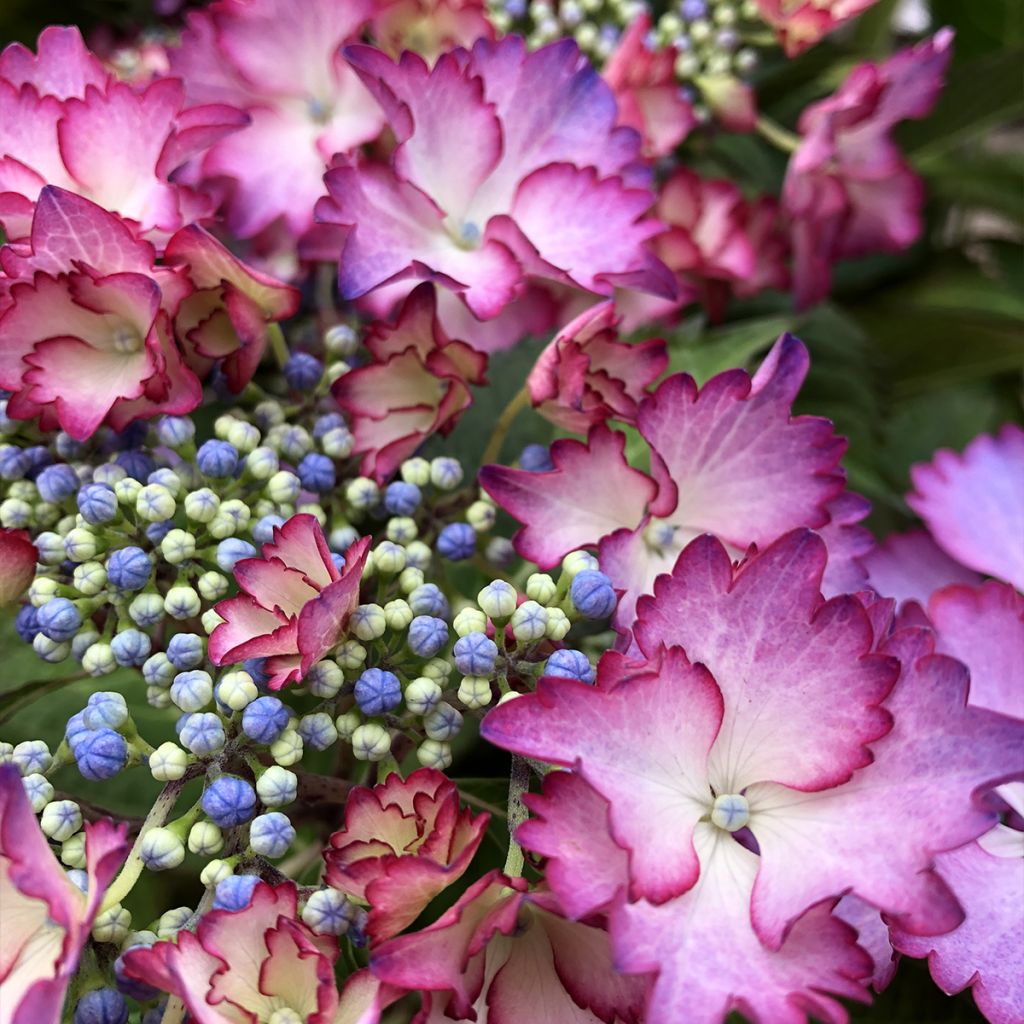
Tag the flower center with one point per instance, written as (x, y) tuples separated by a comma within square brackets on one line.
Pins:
[(730, 812), (286, 1015), (126, 339), (319, 111), (660, 534), (466, 234)]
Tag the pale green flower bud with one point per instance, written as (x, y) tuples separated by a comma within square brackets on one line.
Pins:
[(422, 695), (529, 622), (469, 620), (371, 742), (351, 655), (436, 754), (540, 587), (205, 839), (112, 925), (475, 692), (398, 614), (287, 748), (168, 762), (415, 471), (497, 599)]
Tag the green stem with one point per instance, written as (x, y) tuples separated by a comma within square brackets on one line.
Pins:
[(132, 869), (518, 785), (778, 136), (519, 402), (277, 344)]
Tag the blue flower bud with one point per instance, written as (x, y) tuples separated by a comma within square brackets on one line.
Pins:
[(14, 463), (202, 733), (102, 1006), (156, 532), (234, 892), (264, 719), (57, 482), (233, 550), (377, 691), (79, 879), (229, 801), (456, 542), (427, 635), (316, 472), (217, 459), (108, 474), (105, 709), (593, 595), (271, 834), (129, 986), (402, 499), (26, 623), (131, 648), (568, 664), (67, 447), (535, 458), (303, 371), (342, 538), (158, 670), (129, 568), (317, 730), (475, 654), (263, 531), (185, 650), (256, 667), (175, 431), (76, 730), (136, 464), (59, 619), (428, 600), (100, 754)]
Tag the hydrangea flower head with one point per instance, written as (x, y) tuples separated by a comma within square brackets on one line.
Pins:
[(955, 494), (646, 89), (586, 375), (509, 165), (510, 954), (99, 137), (720, 455), (417, 385), (47, 918), (799, 24), (848, 190), (17, 564), (402, 843), (242, 965), (778, 722), (295, 602), (281, 63)]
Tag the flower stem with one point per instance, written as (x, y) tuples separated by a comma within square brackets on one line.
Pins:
[(519, 402), (277, 344), (132, 869), (518, 785), (778, 136)]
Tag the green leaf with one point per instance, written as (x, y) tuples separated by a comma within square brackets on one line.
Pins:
[(979, 94), (727, 347)]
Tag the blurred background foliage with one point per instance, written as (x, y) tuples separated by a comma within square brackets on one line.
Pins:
[(915, 351)]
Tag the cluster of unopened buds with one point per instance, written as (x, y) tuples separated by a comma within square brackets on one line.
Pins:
[(285, 606)]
